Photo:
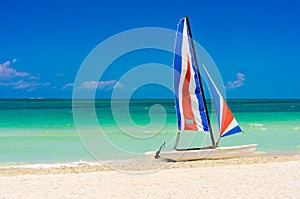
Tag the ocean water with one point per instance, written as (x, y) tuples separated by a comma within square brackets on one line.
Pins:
[(50, 131)]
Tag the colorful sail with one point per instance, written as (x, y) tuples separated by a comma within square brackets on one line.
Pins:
[(189, 101), (227, 123)]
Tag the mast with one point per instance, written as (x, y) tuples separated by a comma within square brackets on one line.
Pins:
[(200, 82)]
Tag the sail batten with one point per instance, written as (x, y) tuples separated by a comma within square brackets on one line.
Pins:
[(190, 107)]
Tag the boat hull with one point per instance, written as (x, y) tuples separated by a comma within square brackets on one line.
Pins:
[(198, 154)]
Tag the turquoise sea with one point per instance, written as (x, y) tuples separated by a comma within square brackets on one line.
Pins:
[(44, 131)]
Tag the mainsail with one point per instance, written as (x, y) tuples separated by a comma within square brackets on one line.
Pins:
[(189, 99), (190, 102)]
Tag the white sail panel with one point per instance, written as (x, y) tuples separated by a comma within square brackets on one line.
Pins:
[(190, 106)]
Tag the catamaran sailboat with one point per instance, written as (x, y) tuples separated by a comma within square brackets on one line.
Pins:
[(191, 108)]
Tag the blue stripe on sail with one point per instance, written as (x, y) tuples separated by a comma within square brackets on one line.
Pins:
[(234, 130), (216, 96), (200, 100), (177, 69), (198, 92)]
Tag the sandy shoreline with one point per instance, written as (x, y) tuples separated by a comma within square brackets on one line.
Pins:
[(148, 166), (248, 177)]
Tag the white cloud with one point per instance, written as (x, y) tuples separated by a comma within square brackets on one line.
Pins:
[(110, 84), (236, 83), (21, 84), (67, 85), (10, 77), (7, 72), (118, 85)]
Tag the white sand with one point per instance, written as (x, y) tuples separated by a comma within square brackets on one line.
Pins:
[(258, 180)]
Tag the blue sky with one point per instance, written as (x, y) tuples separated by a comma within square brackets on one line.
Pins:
[(255, 44)]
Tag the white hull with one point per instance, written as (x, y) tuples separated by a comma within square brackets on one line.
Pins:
[(198, 154)]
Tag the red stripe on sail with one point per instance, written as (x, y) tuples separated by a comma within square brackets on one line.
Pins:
[(188, 116), (226, 118)]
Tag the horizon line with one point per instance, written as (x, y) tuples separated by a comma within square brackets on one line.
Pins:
[(62, 98)]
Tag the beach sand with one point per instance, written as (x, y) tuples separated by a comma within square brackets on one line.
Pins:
[(248, 177)]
